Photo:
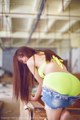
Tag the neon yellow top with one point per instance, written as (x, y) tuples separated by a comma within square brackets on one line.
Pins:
[(59, 61), (64, 83), (41, 68)]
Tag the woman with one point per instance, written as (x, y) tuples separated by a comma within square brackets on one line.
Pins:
[(59, 88)]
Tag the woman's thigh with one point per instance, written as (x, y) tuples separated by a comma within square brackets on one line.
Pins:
[(53, 114), (65, 115), (57, 114)]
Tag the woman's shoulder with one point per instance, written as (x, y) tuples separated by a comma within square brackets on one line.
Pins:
[(30, 61)]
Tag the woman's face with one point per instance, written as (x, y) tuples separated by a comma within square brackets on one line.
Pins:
[(22, 59)]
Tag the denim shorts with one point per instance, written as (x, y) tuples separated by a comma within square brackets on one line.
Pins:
[(56, 100)]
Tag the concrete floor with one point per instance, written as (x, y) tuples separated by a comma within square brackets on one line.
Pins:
[(11, 107)]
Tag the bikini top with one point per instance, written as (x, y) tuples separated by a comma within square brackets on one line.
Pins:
[(41, 68)]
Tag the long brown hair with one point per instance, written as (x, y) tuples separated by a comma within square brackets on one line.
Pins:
[(23, 78)]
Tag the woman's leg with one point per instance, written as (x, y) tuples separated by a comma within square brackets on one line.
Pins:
[(57, 114), (65, 115), (53, 114)]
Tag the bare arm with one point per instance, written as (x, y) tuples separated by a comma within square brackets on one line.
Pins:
[(34, 71)]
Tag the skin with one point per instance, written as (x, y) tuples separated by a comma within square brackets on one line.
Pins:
[(58, 114)]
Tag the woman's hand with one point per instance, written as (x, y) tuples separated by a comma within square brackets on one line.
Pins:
[(32, 98)]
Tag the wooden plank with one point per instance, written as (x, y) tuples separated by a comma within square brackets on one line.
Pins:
[(35, 105), (1, 104), (36, 110)]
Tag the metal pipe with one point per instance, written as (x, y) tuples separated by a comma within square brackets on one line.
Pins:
[(37, 19)]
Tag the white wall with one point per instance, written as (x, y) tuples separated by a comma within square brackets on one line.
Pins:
[(76, 60), (72, 54), (64, 51)]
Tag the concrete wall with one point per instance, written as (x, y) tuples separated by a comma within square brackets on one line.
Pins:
[(76, 60), (71, 52), (8, 59)]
